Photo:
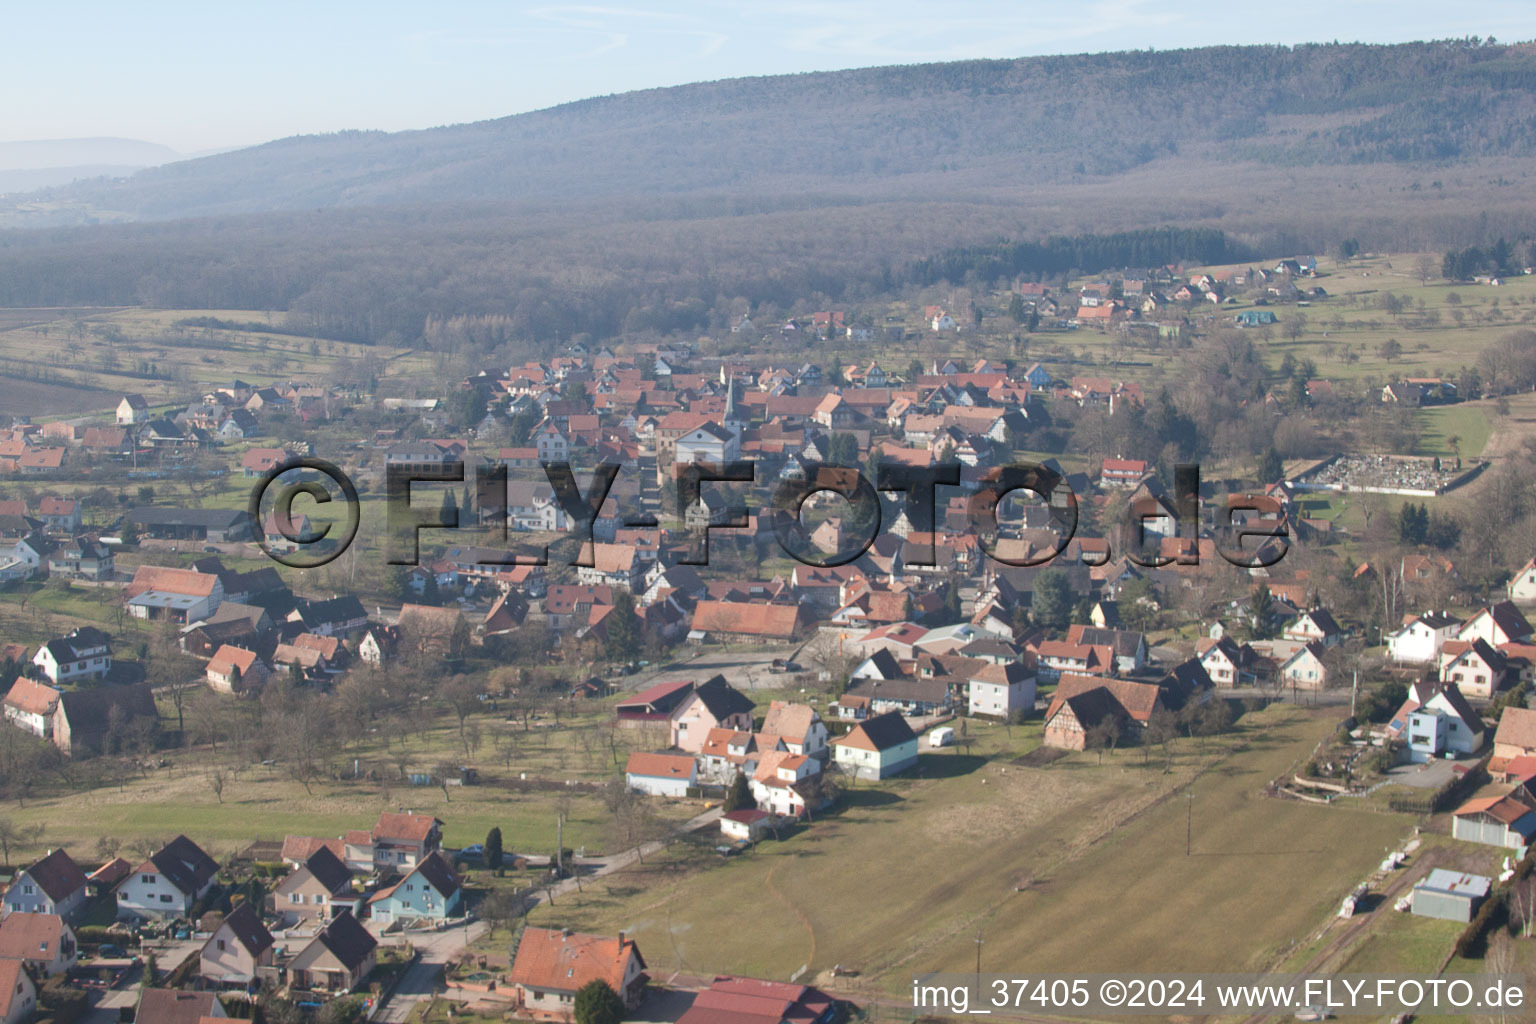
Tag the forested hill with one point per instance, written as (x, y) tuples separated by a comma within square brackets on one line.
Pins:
[(1003, 124)]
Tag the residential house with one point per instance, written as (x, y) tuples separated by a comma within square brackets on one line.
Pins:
[(404, 840), (177, 1006), (1315, 626), (167, 884), (1129, 646), (132, 410), (715, 704), (1500, 623), (82, 558), (661, 774), (1478, 670), (1230, 664), (60, 515), (1304, 669), (54, 884), (80, 655), (18, 994), (42, 941), (729, 751), (552, 965), (1515, 736), (430, 892), (1438, 722), (238, 949), (1419, 639), (338, 959), (907, 694), (799, 726), (318, 889), (30, 705), (1122, 472), (1001, 690), (1081, 704), (782, 784), (877, 747), (1522, 585), (235, 670), (613, 565)]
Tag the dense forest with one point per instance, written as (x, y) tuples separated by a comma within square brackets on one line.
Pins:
[(992, 123), (669, 209)]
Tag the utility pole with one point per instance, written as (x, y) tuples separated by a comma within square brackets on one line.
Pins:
[(559, 845), (1354, 692), (978, 963)]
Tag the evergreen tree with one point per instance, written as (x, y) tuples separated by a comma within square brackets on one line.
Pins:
[(493, 848), (597, 1003), (1271, 468), (1017, 311), (739, 796), (1052, 605)]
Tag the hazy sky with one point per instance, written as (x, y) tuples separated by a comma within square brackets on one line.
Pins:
[(203, 74)]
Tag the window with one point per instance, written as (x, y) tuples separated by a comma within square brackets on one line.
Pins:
[(165, 897), (148, 879), (221, 945)]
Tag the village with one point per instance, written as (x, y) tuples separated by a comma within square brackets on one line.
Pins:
[(671, 665)]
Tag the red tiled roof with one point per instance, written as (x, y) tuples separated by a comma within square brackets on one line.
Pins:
[(564, 961)]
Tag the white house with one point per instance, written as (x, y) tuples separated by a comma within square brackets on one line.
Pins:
[(53, 885), (18, 995), (30, 705), (708, 442), (1304, 669), (1419, 639), (84, 653), (661, 774), (1444, 725), (132, 410), (168, 883), (42, 941), (1522, 586), (996, 691), (779, 785), (1496, 624)]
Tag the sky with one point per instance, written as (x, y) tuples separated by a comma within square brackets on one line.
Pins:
[(197, 75)]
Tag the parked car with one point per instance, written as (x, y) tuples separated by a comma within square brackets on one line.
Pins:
[(473, 850)]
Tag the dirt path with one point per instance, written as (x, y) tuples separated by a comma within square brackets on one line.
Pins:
[(1346, 931), (805, 921)]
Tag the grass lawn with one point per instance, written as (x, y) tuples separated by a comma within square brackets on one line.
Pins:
[(903, 878), (1442, 422)]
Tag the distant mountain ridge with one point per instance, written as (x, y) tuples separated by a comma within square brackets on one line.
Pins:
[(997, 124)]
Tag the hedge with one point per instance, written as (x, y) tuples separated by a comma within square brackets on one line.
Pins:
[(1494, 913)]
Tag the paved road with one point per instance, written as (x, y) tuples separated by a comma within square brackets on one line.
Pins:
[(421, 979)]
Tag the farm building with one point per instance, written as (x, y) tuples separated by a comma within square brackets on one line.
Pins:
[(1496, 820), (1449, 895)]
